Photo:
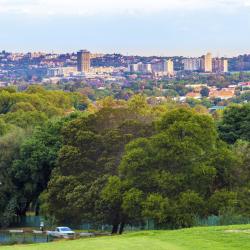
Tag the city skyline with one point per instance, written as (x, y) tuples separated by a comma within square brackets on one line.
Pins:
[(94, 54), (160, 27)]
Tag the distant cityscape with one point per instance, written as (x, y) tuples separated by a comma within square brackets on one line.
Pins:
[(38, 66), (116, 74)]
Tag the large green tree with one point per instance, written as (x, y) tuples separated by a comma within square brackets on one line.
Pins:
[(92, 151), (31, 171), (166, 174), (183, 164), (235, 124), (9, 151)]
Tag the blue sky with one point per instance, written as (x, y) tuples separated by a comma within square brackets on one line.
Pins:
[(145, 27)]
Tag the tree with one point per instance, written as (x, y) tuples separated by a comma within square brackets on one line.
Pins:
[(112, 195), (221, 201), (205, 92), (183, 163), (29, 145), (88, 164), (9, 151), (190, 206), (117, 166), (156, 207), (3, 127), (7, 100), (28, 119), (235, 124), (31, 171)]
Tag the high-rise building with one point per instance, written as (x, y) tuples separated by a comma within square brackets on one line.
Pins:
[(157, 67), (220, 65), (168, 67), (165, 67), (147, 68), (207, 63), (140, 67), (133, 68), (192, 64), (83, 61), (61, 71), (225, 65)]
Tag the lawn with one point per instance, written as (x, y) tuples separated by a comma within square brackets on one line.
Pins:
[(215, 238)]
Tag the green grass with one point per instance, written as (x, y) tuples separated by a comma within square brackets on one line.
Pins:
[(200, 238)]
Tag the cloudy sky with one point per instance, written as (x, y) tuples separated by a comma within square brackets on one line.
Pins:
[(162, 27)]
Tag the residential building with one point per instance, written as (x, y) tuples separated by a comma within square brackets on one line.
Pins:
[(164, 67), (220, 65), (61, 71), (133, 68), (206, 63), (83, 61), (140, 67), (168, 67), (147, 68), (192, 64)]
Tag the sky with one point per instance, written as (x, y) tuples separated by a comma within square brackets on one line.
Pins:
[(133, 27)]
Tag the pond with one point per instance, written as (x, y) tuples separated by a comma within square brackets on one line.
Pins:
[(23, 238)]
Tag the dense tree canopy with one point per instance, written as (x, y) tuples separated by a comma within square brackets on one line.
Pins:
[(120, 162), (236, 123), (30, 138), (179, 164), (171, 173), (92, 151)]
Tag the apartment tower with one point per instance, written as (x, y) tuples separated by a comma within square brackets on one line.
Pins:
[(83, 61), (207, 65)]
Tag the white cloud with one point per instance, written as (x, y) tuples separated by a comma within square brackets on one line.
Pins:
[(247, 3), (94, 7)]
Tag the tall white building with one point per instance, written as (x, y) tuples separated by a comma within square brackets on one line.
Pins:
[(165, 67), (207, 65), (140, 67), (225, 65), (61, 71), (169, 67), (147, 68), (133, 68)]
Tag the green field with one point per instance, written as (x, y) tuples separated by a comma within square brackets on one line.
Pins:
[(215, 238)]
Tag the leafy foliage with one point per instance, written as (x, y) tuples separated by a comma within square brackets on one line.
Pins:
[(236, 123), (120, 162)]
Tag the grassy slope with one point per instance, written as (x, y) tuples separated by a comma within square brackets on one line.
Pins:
[(214, 238)]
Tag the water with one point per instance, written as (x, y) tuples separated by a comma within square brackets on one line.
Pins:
[(23, 238)]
